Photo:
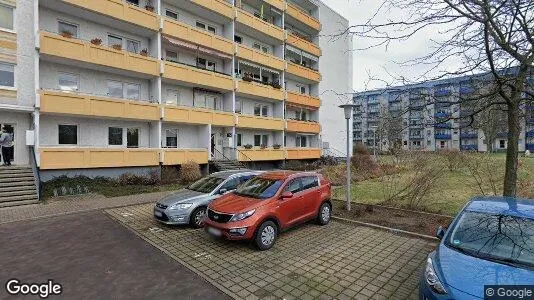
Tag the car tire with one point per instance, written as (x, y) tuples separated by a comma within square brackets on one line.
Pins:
[(325, 214), (199, 212), (266, 235)]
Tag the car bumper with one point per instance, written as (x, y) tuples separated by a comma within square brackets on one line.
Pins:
[(171, 217), (226, 230)]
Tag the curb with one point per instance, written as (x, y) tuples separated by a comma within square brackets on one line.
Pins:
[(400, 209)]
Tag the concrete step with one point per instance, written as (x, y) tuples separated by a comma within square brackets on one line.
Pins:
[(18, 203), (16, 175), (5, 180), (20, 184), (25, 192), (14, 169), (19, 198)]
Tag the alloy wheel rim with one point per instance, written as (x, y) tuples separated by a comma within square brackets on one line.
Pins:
[(325, 214), (199, 217), (267, 235)]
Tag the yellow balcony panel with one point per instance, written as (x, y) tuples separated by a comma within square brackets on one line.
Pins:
[(260, 154), (197, 76), (303, 17), (248, 19), (303, 153), (200, 37), (259, 90), (8, 94), (244, 121), (303, 126), (303, 100), (303, 44), (279, 4), (219, 6), (71, 48), (81, 158), (303, 72), (259, 57), (8, 41), (195, 115), (90, 105), (120, 10), (180, 156)]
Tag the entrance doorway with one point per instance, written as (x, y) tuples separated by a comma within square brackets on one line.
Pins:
[(216, 146), (10, 128)]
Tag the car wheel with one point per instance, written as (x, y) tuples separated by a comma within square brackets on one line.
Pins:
[(266, 235), (197, 217), (324, 215)]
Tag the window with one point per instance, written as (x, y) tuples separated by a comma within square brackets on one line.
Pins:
[(261, 110), (205, 64), (132, 137), (265, 110), (206, 27), (502, 144), (173, 97), (171, 56), (115, 89), (442, 144), (302, 89), (212, 29), (7, 74), (115, 136), (257, 110), (264, 140), (133, 91), (63, 26), (171, 14), (68, 82), (260, 47), (238, 106), (239, 140), (301, 141), (309, 182), (171, 138), (238, 39), (257, 140), (6, 17), (132, 46), (294, 186), (68, 134), (114, 40)]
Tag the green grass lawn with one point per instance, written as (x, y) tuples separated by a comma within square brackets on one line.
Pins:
[(450, 194)]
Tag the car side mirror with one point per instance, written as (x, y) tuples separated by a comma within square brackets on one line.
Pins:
[(286, 195), (440, 233), (222, 191)]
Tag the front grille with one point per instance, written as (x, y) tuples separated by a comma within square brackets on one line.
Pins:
[(218, 217), (162, 206), (163, 217)]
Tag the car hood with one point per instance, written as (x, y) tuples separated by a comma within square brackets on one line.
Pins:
[(469, 274), (183, 196), (232, 203)]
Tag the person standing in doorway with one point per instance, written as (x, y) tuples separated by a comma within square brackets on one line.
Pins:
[(6, 142)]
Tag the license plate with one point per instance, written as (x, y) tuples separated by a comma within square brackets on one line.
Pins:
[(214, 231), (157, 213)]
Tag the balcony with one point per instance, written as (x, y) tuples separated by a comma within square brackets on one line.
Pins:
[(196, 76), (120, 10), (443, 125), (279, 4), (82, 51), (259, 57), (219, 6), (303, 44), (469, 135), (303, 100), (303, 126), (259, 90), (267, 123), (57, 102), (303, 153), (7, 93), (303, 17), (442, 93), (529, 133), (82, 158), (181, 156), (259, 154), (196, 115), (251, 21), (529, 146), (303, 72), (469, 147), (442, 136), (197, 36)]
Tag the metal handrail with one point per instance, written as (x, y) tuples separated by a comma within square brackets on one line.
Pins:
[(224, 156), (246, 156), (35, 170)]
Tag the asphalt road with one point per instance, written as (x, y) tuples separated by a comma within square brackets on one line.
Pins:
[(93, 257)]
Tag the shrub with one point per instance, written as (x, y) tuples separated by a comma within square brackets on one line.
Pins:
[(360, 148), (130, 179), (454, 158), (363, 163), (297, 165), (170, 174), (190, 172), (152, 178), (96, 41)]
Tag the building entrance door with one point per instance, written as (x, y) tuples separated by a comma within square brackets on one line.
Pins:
[(10, 129)]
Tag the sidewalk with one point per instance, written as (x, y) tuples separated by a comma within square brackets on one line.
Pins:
[(73, 204)]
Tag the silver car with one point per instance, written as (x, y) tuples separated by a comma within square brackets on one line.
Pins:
[(188, 206)]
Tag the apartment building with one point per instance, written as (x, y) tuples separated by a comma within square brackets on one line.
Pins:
[(430, 118), (98, 87)]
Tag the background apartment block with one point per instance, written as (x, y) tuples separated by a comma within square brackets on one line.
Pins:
[(428, 119), (95, 87)]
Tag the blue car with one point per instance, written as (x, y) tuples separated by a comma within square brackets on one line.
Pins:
[(490, 242)]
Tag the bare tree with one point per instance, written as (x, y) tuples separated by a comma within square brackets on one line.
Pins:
[(492, 122), (494, 38)]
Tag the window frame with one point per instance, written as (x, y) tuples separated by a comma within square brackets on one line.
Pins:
[(74, 34), (121, 137), (138, 136), (13, 18), (77, 76), (128, 40), (176, 130), (14, 77), (173, 12), (77, 134), (116, 36), (167, 56), (125, 90), (239, 140), (122, 88)]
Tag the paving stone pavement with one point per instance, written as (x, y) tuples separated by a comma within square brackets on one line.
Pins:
[(337, 261), (73, 204)]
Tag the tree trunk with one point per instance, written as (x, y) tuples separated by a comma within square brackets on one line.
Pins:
[(512, 151)]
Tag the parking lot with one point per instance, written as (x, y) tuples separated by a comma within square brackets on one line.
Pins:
[(340, 261)]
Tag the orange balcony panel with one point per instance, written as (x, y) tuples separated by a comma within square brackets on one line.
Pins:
[(194, 115), (259, 57), (70, 48), (8, 41), (90, 105), (303, 153), (245, 155), (180, 156), (244, 121), (303, 44), (259, 90), (197, 76), (279, 4), (248, 19), (219, 6), (303, 72), (200, 37), (303, 126), (120, 10), (303, 17), (81, 158), (303, 100)]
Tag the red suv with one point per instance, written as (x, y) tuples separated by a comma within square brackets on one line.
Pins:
[(271, 202)]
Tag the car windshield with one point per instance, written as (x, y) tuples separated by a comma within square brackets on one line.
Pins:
[(259, 188), (206, 184), (495, 237)]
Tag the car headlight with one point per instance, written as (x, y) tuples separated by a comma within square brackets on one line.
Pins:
[(432, 278), (180, 206), (242, 216)]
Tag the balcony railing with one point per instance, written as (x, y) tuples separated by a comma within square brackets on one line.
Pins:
[(529, 146), (197, 76), (303, 17), (197, 36), (258, 154), (221, 7), (259, 57), (471, 135), (267, 123), (248, 19), (529, 133), (303, 126), (442, 136), (303, 100), (259, 90), (443, 125), (469, 147), (180, 156), (303, 72), (303, 44), (442, 92), (197, 115), (303, 153)]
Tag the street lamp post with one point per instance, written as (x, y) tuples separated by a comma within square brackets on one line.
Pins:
[(347, 108)]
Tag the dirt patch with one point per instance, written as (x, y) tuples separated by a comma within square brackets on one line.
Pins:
[(423, 223)]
